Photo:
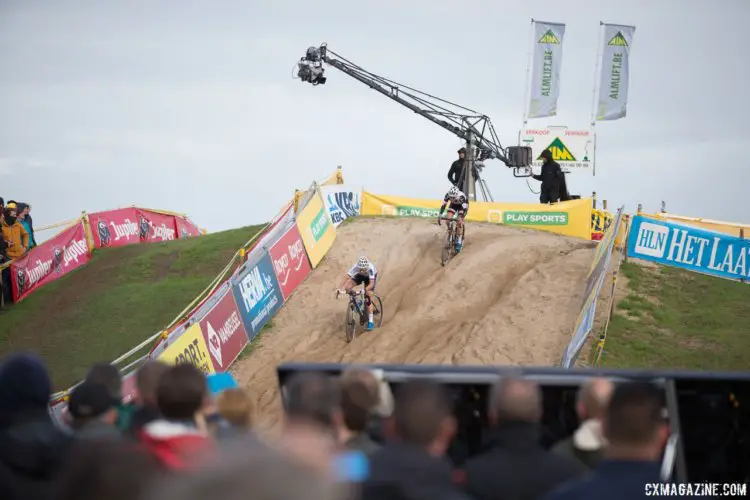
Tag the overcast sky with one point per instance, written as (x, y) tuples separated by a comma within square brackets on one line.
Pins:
[(190, 106)]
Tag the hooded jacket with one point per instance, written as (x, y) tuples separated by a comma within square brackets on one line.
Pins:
[(16, 237), (585, 445), (32, 449), (176, 445)]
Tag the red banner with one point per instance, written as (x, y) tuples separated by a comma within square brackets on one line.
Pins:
[(153, 226), (186, 228), (290, 261), (114, 228), (224, 332), (49, 261)]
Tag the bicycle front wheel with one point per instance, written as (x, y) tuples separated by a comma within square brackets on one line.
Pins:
[(377, 312), (350, 326)]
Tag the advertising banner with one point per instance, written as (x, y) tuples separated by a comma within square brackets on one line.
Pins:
[(614, 74), (114, 228), (342, 202), (545, 69), (730, 228), (316, 229), (689, 248), (189, 348), (224, 332), (572, 149), (153, 226), (186, 228), (290, 261), (597, 275), (571, 218), (49, 261), (257, 294), (276, 230)]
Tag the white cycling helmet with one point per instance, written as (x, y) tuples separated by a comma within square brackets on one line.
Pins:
[(453, 192), (363, 264)]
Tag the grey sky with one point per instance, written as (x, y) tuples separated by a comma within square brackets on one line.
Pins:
[(190, 106)]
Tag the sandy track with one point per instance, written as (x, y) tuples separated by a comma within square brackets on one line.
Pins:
[(510, 298)]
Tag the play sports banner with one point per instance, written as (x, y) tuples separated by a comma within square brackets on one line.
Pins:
[(342, 202), (190, 347), (688, 247), (594, 282), (49, 261), (570, 218), (316, 229)]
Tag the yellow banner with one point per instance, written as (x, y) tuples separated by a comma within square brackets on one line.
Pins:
[(571, 218), (189, 348), (730, 228), (316, 229)]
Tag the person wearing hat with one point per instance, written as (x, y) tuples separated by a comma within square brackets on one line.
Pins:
[(93, 412), (552, 178), (456, 172)]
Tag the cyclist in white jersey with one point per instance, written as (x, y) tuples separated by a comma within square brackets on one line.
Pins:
[(363, 273), (457, 203)]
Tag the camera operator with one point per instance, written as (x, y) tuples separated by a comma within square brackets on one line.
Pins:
[(456, 173), (554, 188)]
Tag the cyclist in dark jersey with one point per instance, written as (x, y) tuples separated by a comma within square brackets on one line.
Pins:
[(457, 203)]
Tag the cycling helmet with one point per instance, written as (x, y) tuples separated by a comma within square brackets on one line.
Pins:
[(363, 264), (453, 192)]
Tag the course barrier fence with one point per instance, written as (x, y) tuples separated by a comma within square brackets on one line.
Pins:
[(216, 327), (72, 247), (594, 281)]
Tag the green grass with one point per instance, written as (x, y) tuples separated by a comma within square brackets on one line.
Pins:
[(672, 318), (123, 296)]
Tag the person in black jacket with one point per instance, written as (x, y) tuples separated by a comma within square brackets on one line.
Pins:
[(514, 464), (33, 449), (554, 188), (456, 173), (414, 467)]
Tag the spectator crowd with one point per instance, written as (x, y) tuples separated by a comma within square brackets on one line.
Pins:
[(341, 437), (16, 239)]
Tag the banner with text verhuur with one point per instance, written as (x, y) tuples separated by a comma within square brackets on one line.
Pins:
[(224, 331), (189, 348), (689, 248), (316, 229), (257, 294), (570, 218)]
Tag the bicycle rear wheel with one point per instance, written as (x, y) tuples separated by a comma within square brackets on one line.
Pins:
[(350, 327), (377, 312)]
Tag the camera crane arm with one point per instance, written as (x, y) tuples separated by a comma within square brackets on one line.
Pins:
[(474, 128)]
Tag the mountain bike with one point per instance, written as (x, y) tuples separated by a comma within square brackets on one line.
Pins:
[(449, 248), (356, 312)]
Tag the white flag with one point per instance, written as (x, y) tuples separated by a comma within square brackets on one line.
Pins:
[(615, 72), (545, 74)]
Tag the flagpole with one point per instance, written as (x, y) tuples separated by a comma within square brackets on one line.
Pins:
[(527, 91), (595, 91)]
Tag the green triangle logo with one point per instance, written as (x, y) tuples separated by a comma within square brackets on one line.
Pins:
[(560, 151), (618, 40), (549, 37)]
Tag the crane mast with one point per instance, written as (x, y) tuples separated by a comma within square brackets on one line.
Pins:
[(474, 128)]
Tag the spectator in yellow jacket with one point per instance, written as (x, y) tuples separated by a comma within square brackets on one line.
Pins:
[(14, 234)]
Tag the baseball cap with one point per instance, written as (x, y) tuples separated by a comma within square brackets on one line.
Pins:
[(90, 400)]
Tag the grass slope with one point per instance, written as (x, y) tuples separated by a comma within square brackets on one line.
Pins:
[(122, 297), (672, 318)]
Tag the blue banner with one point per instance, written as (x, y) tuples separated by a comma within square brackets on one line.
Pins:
[(690, 248), (257, 294)]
